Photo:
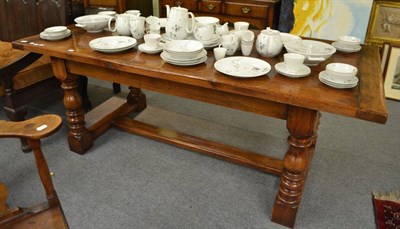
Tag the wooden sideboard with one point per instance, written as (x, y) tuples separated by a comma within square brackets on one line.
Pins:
[(22, 18), (259, 13)]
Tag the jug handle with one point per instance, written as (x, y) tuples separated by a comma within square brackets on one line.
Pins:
[(168, 9), (191, 29), (109, 24)]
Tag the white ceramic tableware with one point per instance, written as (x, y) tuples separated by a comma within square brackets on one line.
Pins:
[(293, 62), (178, 25), (108, 13), (155, 29), (93, 23), (152, 40), (137, 27), (341, 70), (133, 12), (314, 51), (269, 43), (242, 66), (121, 24), (286, 37), (222, 29), (56, 30), (247, 36), (144, 48), (349, 40), (346, 48), (241, 25), (230, 42), (183, 46), (203, 32), (50, 37), (219, 52), (112, 44), (301, 72), (246, 48)]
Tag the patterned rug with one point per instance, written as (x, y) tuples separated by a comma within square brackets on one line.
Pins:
[(387, 210)]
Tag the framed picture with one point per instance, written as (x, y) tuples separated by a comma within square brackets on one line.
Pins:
[(384, 23), (392, 73), (384, 55)]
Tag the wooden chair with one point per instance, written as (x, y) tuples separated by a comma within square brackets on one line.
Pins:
[(95, 5), (25, 77), (49, 214)]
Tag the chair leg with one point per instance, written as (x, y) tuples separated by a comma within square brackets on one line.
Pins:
[(44, 173), (16, 112)]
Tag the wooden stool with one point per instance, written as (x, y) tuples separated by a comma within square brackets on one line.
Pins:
[(46, 215)]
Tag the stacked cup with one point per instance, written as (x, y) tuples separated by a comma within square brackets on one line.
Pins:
[(246, 42), (349, 42)]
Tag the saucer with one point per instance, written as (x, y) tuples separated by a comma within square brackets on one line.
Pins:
[(46, 36), (347, 48), (303, 71), (144, 48)]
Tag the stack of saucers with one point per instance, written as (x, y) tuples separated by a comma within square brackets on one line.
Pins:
[(347, 44), (184, 52), (339, 75), (213, 42), (55, 33)]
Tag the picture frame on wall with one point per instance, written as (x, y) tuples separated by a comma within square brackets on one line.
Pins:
[(384, 55), (392, 73), (384, 23)]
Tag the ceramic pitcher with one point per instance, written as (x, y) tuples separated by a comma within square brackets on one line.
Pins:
[(269, 43), (121, 24), (178, 23), (137, 26)]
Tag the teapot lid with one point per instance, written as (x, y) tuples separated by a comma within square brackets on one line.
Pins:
[(270, 31)]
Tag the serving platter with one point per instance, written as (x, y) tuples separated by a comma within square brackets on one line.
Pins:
[(243, 67), (112, 44)]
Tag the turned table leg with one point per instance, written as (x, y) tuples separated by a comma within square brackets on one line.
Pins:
[(136, 96), (302, 125), (79, 138)]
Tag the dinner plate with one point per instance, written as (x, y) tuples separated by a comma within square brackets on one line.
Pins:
[(46, 36), (112, 44), (342, 84), (303, 71), (189, 63), (243, 67)]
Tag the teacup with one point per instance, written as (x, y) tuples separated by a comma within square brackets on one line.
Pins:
[(246, 48), (293, 62), (241, 25), (152, 40), (203, 32), (247, 36), (155, 29), (219, 52)]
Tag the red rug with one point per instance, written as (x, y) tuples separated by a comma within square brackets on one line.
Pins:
[(387, 210)]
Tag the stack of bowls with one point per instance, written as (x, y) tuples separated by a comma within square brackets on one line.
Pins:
[(347, 44), (184, 52), (339, 75)]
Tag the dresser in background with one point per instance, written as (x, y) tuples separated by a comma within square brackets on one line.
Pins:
[(22, 18), (259, 13)]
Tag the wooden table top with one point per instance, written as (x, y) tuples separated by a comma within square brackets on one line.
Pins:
[(366, 101)]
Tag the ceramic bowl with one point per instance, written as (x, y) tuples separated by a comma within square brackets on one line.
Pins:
[(349, 40), (286, 37), (314, 51), (341, 70), (93, 23), (207, 20), (56, 30)]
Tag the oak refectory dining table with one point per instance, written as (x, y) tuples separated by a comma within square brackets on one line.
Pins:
[(298, 101)]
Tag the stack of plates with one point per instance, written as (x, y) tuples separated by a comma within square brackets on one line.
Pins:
[(184, 52), (55, 37), (213, 42), (112, 44), (338, 82), (346, 48)]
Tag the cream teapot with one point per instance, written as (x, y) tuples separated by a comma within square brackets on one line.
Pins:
[(269, 43), (178, 25)]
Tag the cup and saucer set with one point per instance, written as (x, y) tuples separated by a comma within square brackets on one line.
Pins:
[(347, 44), (339, 75), (293, 66), (152, 44), (55, 33)]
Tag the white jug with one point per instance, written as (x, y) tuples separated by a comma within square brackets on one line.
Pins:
[(269, 43), (121, 24), (137, 26), (177, 26)]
